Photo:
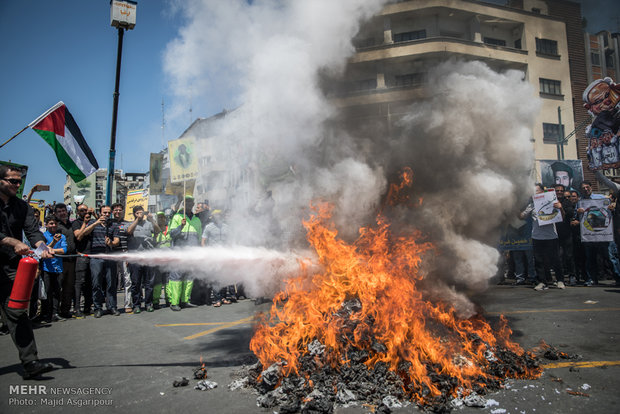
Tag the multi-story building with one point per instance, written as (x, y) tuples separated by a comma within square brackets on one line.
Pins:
[(93, 188), (397, 49), (602, 55), (225, 174)]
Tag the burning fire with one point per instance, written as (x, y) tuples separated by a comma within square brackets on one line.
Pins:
[(367, 298)]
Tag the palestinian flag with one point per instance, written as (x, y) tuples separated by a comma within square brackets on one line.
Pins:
[(58, 128)]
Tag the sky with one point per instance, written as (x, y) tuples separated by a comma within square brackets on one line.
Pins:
[(66, 50)]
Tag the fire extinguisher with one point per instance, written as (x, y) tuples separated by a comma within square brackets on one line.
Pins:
[(24, 281)]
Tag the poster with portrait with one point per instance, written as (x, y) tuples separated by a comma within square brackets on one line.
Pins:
[(596, 222), (544, 211), (183, 159), (156, 179), (602, 100), (569, 173)]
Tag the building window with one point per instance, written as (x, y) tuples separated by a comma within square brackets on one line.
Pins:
[(596, 59), (410, 79), (404, 37), (536, 10), (609, 60), (551, 133), (518, 44), (547, 47), (550, 87), (495, 42)]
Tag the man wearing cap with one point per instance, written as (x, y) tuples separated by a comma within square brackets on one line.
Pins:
[(185, 230)]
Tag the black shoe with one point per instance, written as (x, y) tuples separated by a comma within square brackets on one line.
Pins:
[(175, 308), (156, 306), (98, 313), (150, 308), (115, 312), (35, 368), (137, 309), (187, 305), (66, 315), (4, 330), (57, 318), (78, 315)]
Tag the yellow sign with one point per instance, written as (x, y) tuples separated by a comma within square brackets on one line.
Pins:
[(183, 160), (39, 205), (135, 198), (177, 188)]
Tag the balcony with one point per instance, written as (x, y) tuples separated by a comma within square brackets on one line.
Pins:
[(442, 48)]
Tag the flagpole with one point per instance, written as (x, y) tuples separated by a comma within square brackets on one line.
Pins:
[(11, 139)]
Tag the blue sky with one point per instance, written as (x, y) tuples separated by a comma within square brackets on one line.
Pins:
[(65, 50)]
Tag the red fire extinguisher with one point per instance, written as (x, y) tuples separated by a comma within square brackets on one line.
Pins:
[(24, 281)]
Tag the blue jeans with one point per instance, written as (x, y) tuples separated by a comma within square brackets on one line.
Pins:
[(101, 272)]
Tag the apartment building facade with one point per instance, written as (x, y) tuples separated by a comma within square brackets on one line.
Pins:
[(396, 50), (92, 190)]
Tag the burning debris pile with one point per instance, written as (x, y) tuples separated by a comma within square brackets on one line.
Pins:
[(324, 380), (363, 332)]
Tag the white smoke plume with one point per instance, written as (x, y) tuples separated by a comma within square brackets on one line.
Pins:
[(468, 143)]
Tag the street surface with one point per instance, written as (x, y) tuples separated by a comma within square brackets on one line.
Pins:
[(128, 363)]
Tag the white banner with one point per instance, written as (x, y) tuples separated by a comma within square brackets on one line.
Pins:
[(596, 222), (545, 213)]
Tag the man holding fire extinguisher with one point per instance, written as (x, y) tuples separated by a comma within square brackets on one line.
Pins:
[(17, 216)]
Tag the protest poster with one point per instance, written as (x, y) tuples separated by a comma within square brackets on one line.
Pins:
[(156, 178), (135, 198), (517, 235), (544, 211), (183, 160), (38, 205), (602, 100), (596, 221), (569, 173)]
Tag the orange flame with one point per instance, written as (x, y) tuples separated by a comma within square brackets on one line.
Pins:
[(378, 274)]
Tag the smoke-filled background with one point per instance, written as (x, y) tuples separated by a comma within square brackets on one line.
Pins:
[(468, 144)]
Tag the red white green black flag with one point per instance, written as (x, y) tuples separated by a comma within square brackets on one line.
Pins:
[(58, 128)]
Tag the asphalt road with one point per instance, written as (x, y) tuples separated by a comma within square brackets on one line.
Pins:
[(128, 363)]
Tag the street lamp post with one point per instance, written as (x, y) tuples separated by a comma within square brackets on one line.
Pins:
[(122, 16)]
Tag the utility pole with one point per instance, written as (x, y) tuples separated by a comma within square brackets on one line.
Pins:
[(123, 16)]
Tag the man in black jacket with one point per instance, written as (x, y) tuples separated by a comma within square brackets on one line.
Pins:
[(17, 216)]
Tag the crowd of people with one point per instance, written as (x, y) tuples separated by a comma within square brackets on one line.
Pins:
[(72, 285), (558, 255), (73, 282)]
